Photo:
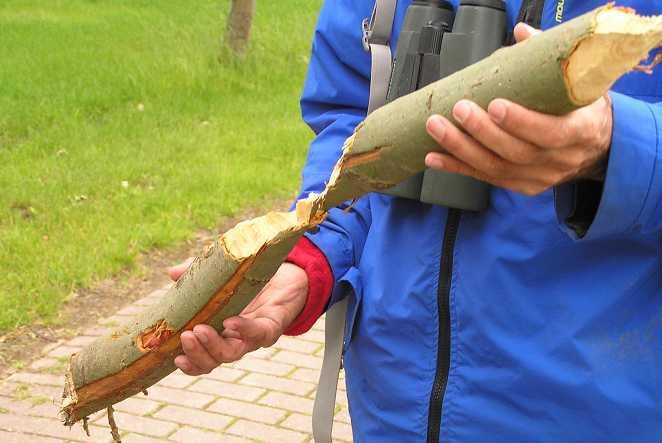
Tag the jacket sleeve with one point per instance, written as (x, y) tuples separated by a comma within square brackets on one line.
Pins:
[(630, 199), (334, 101)]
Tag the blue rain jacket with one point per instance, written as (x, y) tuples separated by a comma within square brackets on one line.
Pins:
[(553, 337)]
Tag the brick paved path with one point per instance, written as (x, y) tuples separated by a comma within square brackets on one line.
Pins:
[(267, 396)]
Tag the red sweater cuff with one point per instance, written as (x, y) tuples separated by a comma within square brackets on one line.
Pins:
[(320, 282)]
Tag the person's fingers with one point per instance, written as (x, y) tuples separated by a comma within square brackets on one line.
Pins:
[(478, 124), (187, 367), (230, 333), (523, 31), (197, 353), (176, 271), (448, 163), (221, 349), (465, 148), (545, 131)]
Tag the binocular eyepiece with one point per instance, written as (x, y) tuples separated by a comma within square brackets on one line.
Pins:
[(436, 42)]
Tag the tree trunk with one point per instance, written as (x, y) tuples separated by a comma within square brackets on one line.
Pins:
[(239, 25), (567, 67)]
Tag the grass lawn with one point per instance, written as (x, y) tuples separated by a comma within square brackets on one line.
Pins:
[(122, 129)]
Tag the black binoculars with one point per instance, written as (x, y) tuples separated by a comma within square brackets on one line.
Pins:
[(436, 42)]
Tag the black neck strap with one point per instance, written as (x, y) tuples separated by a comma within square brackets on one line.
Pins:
[(530, 13)]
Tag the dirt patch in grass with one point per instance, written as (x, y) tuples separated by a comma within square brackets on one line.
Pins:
[(21, 346)]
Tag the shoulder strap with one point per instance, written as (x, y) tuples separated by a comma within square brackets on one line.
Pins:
[(376, 39), (325, 398)]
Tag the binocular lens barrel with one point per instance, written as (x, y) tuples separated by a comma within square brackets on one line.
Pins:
[(477, 30)]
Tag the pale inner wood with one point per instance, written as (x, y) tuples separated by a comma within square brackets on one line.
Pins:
[(619, 42)]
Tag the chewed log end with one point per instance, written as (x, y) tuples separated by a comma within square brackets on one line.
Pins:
[(620, 40), (154, 336), (69, 398)]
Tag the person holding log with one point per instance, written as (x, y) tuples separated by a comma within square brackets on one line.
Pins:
[(537, 319)]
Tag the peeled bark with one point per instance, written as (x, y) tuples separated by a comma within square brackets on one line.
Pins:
[(239, 25), (568, 67)]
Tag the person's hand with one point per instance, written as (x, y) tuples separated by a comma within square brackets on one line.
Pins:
[(525, 151), (259, 325)]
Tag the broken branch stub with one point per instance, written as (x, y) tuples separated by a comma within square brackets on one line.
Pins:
[(569, 66)]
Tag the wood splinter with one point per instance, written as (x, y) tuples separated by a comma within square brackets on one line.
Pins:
[(114, 431)]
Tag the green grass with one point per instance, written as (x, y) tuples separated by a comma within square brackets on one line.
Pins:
[(123, 127)]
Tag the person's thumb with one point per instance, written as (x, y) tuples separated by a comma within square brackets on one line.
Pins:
[(176, 271), (523, 31)]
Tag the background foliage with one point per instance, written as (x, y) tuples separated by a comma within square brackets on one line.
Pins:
[(123, 129)]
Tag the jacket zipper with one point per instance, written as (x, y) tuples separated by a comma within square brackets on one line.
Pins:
[(530, 13), (444, 339)]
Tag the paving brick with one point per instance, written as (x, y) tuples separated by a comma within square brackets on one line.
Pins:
[(52, 392), (304, 423), (22, 389), (299, 422), (140, 425), (342, 431), (313, 335), (136, 438), (263, 366), (341, 398), (145, 302), (228, 390), (44, 363), (47, 409), (305, 374), (319, 324), (263, 432), (188, 434), (82, 340), (266, 396), (131, 310), (97, 434), (63, 351), (225, 373), (49, 347), (98, 331), (294, 344), (177, 380), (298, 359), (13, 437), (50, 428), (40, 379), (179, 397), (289, 402), (263, 353), (15, 406), (249, 411), (290, 386), (137, 406), (342, 415), (194, 417)]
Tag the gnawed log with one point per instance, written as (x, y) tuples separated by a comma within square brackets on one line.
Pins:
[(555, 72)]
